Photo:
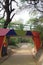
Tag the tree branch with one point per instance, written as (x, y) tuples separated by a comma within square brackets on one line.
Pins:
[(3, 15), (1, 9), (10, 4), (34, 2), (38, 9), (15, 2), (1, 4), (12, 10), (13, 16)]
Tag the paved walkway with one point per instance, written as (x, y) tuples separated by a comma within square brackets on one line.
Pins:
[(22, 56)]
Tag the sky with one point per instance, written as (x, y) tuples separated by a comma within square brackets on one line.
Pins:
[(23, 16)]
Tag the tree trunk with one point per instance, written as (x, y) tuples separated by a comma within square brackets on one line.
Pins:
[(8, 20), (6, 23), (8, 13)]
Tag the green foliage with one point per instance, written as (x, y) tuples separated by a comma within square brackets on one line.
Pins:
[(16, 40), (33, 23), (24, 40), (32, 20), (2, 23), (23, 0), (13, 41), (16, 25), (20, 27), (41, 19), (37, 26), (20, 32)]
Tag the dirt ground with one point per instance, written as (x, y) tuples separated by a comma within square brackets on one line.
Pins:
[(23, 56)]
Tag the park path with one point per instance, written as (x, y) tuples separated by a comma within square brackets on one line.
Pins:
[(22, 56)]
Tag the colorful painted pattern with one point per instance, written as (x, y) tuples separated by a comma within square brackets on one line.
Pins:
[(7, 32), (19, 33)]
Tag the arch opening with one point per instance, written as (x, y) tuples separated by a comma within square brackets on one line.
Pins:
[(35, 36)]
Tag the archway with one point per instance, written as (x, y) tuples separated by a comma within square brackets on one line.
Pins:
[(7, 32), (36, 39), (35, 36)]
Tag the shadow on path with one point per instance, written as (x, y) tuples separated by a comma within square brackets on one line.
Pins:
[(38, 54)]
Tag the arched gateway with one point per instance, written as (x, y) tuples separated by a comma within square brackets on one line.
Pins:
[(7, 32)]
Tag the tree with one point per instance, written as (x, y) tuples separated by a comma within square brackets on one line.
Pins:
[(37, 25), (38, 4), (33, 23), (6, 7), (20, 27), (41, 19), (1, 23)]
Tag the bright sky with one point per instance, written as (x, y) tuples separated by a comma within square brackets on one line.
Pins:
[(22, 16)]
